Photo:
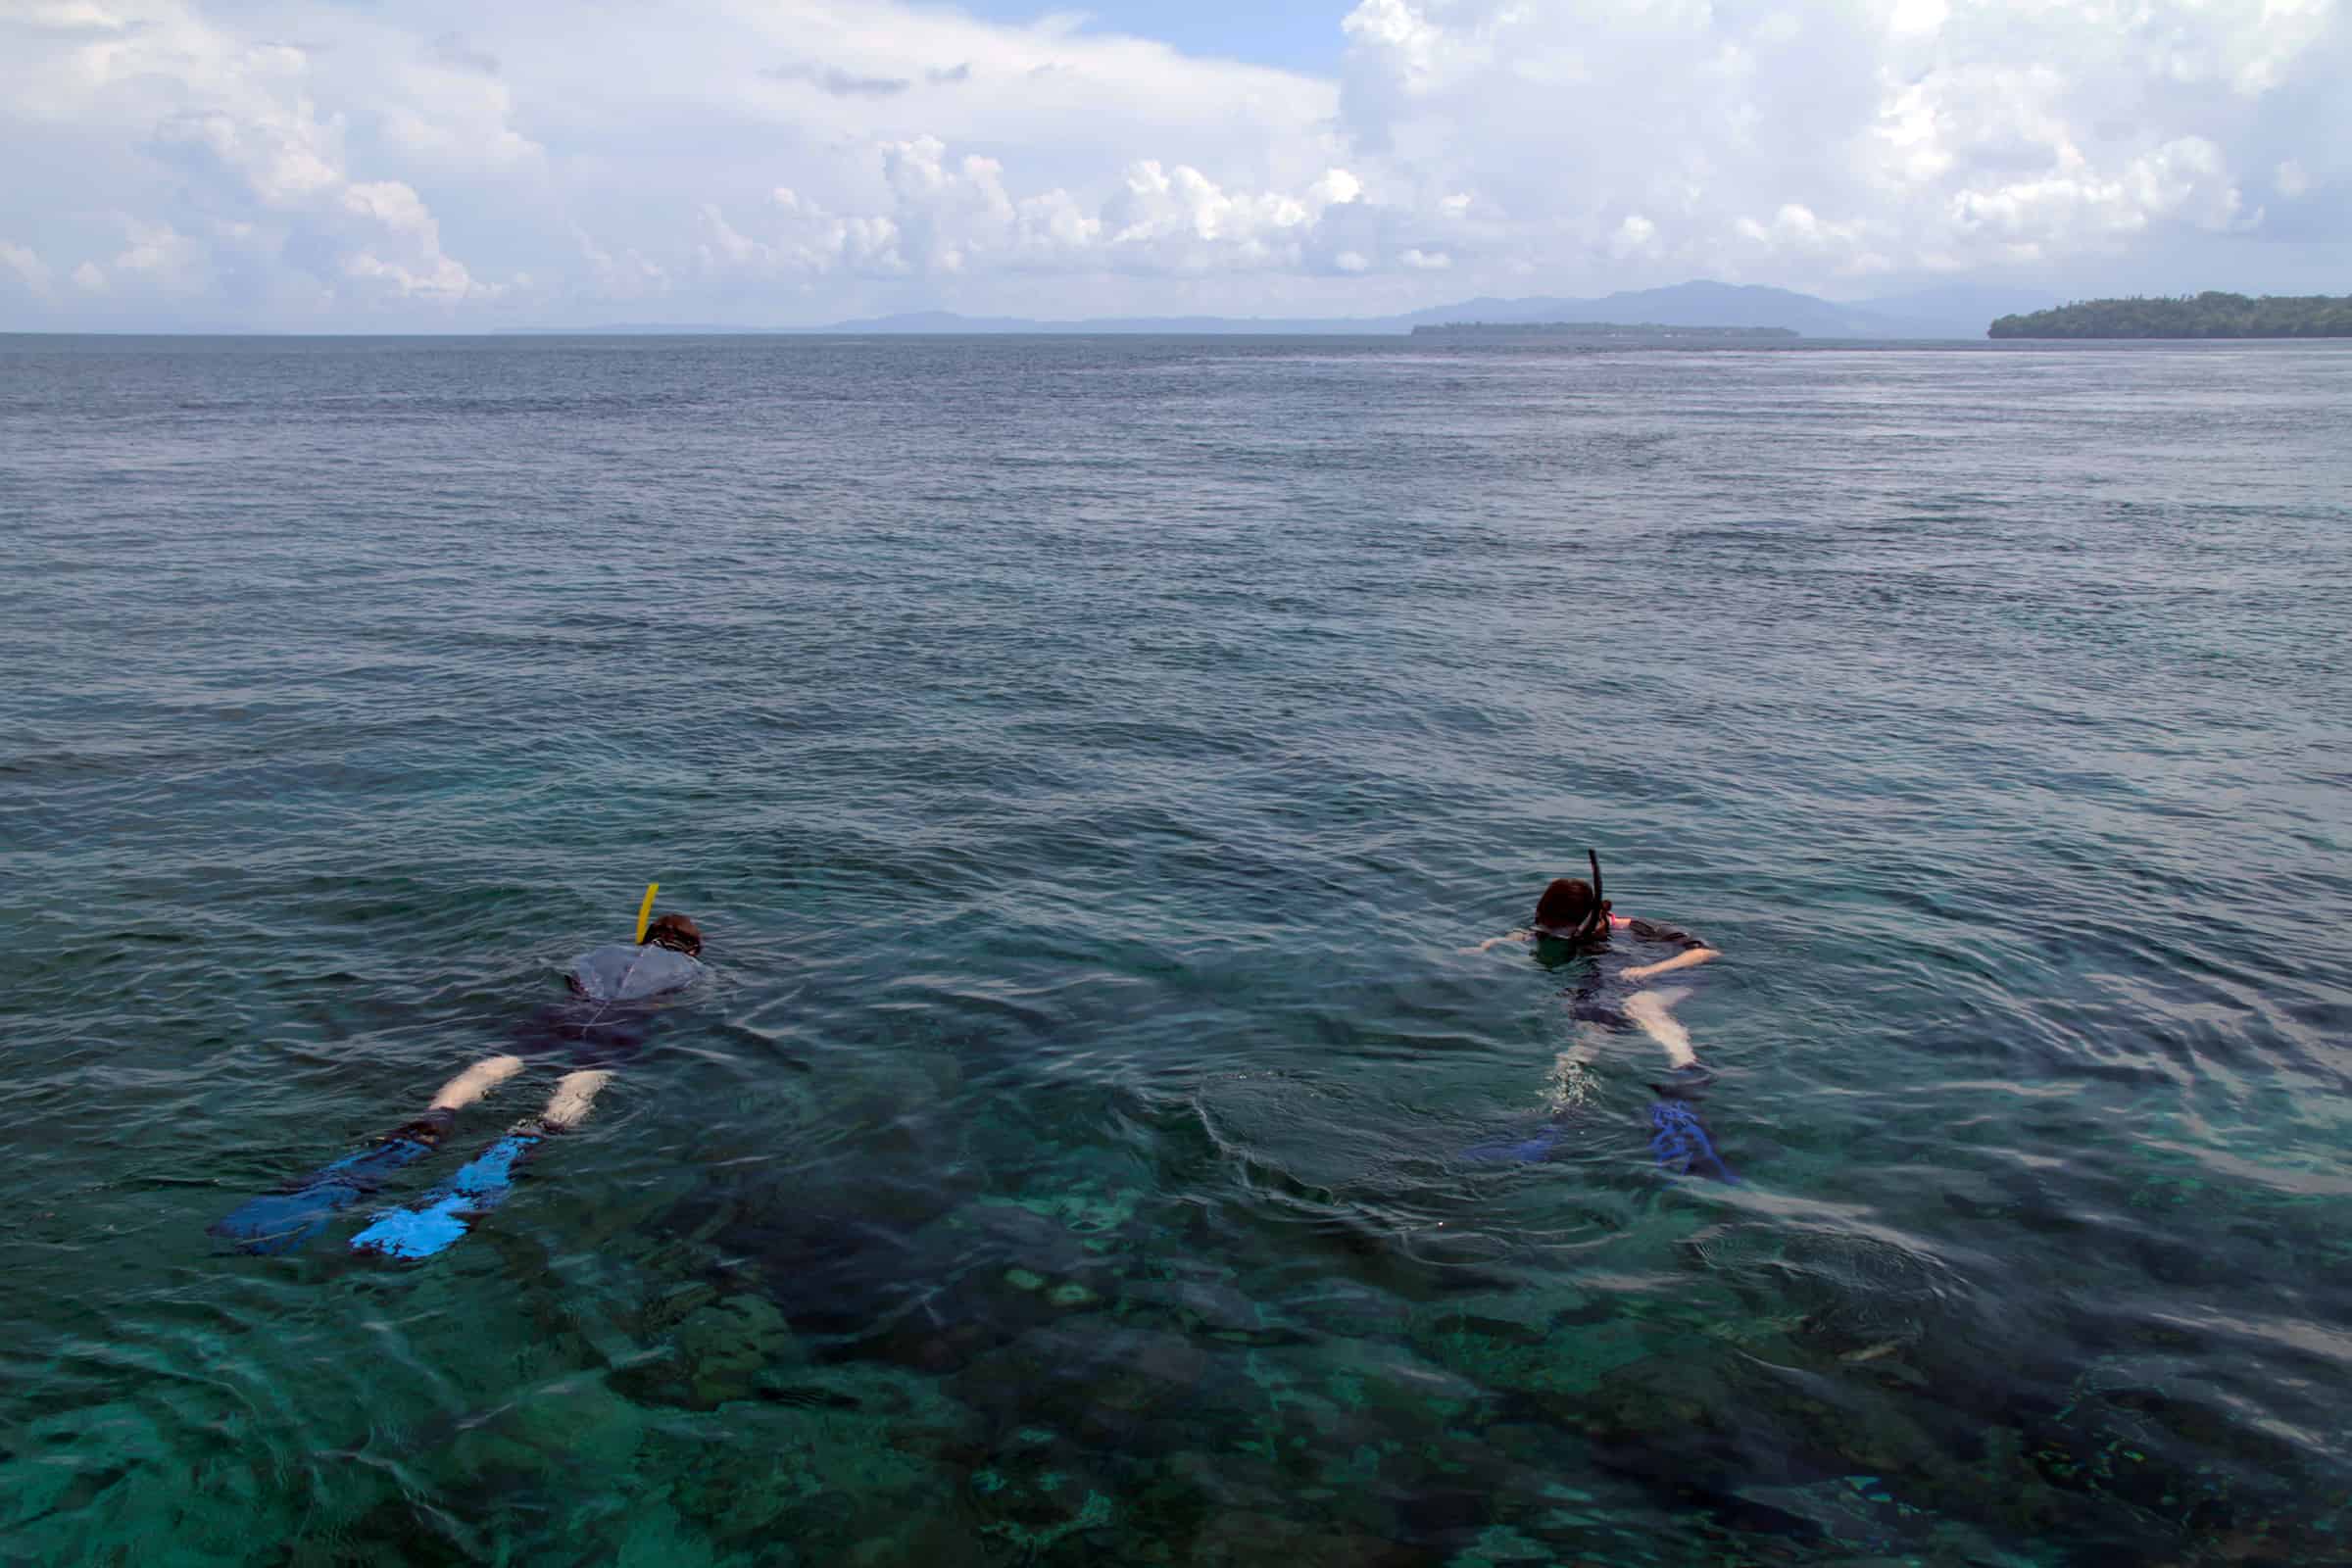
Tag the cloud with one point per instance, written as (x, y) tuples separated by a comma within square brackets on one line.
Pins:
[(2186, 179), (237, 176), (840, 83), (1810, 144), (437, 165), (67, 17), (451, 49), (157, 257), (27, 269), (950, 215), (279, 160), (628, 277), (1635, 235)]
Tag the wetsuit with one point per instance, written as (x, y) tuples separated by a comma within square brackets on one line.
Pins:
[(1584, 997)]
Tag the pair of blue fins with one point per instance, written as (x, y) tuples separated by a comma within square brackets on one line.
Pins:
[(1678, 1140), (281, 1222)]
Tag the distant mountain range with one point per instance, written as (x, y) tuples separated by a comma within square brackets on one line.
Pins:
[(1959, 311)]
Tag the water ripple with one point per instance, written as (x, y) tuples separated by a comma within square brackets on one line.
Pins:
[(1089, 760)]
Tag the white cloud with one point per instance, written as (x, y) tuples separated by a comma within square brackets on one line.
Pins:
[(233, 153), (160, 256), (1636, 235), (628, 277), (952, 213), (28, 270), (1801, 145), (2186, 179), (439, 164)]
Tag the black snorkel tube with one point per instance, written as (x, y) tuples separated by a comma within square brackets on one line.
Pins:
[(1595, 925)]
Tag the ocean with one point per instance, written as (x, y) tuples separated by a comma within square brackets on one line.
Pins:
[(1089, 761)]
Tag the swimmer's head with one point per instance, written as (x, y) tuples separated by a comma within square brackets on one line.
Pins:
[(676, 932), (1566, 906)]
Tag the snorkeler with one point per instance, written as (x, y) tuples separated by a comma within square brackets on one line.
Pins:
[(665, 961), (1573, 918)]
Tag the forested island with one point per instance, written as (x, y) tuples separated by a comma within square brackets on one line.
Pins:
[(2207, 314), (1644, 329)]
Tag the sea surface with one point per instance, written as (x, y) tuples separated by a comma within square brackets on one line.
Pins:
[(1087, 759)]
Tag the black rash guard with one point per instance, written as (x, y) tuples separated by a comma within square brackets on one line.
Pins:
[(1583, 996)]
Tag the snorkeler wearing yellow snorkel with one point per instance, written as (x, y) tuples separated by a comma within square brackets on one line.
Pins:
[(594, 1028)]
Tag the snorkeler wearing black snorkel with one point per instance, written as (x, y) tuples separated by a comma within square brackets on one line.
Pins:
[(1574, 918)]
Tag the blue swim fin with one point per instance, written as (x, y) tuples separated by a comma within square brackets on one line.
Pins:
[(1680, 1143), (439, 1218), (279, 1222)]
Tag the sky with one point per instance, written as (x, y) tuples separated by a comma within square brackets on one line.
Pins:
[(431, 166)]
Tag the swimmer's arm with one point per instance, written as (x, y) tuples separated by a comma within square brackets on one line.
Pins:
[(1681, 960), (1492, 942)]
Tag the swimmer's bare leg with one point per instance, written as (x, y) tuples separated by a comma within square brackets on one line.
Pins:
[(446, 1213), (574, 1096), (476, 1082), (455, 1095), (1650, 1009)]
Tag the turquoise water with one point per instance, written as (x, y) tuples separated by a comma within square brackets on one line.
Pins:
[(1087, 759)]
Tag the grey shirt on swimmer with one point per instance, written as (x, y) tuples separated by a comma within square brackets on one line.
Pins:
[(626, 973)]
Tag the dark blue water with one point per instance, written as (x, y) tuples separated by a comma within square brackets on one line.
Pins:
[(1087, 759)]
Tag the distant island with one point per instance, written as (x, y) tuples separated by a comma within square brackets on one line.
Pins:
[(2207, 314), (1642, 329)]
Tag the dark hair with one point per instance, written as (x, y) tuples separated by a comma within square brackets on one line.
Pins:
[(1565, 904), (676, 932)]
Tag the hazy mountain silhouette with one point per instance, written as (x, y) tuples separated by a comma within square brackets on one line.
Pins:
[(1956, 312), (1959, 311)]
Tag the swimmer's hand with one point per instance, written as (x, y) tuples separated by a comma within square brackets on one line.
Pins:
[(1496, 942), (1681, 960)]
